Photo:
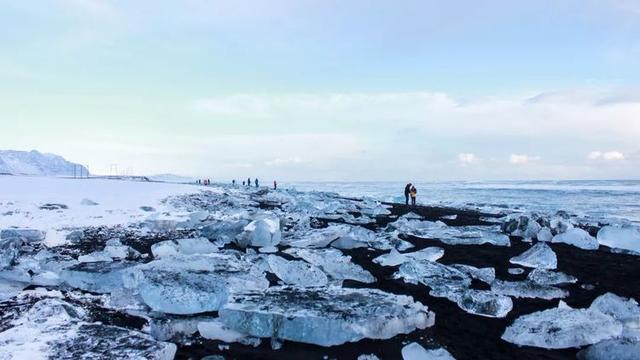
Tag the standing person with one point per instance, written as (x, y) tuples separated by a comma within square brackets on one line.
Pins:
[(414, 194), (407, 191), (275, 185), (242, 182), (249, 182), (233, 182), (256, 182)]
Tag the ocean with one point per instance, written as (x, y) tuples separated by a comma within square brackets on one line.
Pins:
[(596, 199)]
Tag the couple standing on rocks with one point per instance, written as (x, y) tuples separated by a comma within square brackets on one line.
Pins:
[(410, 191)]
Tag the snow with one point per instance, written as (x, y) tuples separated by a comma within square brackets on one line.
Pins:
[(119, 202), (415, 351), (577, 237), (326, 316), (622, 237), (539, 255)]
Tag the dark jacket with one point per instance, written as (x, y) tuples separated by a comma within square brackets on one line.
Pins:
[(407, 190)]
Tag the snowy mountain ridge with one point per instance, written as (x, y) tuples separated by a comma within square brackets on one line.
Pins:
[(36, 163)]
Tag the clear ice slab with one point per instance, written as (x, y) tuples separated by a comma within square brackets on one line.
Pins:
[(539, 255), (326, 317)]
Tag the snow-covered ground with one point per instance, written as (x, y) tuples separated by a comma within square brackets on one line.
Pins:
[(88, 202)]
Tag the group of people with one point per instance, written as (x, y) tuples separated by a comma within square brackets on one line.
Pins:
[(205, 182), (410, 191), (255, 181)]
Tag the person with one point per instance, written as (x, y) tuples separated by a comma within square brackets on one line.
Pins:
[(242, 182), (407, 190), (414, 194), (275, 185), (256, 182), (233, 182), (249, 182)]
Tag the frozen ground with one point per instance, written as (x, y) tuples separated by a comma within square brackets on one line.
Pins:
[(121, 269)]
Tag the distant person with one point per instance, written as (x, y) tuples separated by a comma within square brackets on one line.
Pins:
[(414, 194), (256, 182), (242, 182), (249, 182), (208, 182), (233, 182), (407, 191), (275, 185)]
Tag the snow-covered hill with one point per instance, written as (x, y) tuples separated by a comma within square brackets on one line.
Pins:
[(36, 163)]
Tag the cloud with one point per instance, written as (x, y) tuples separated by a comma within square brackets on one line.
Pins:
[(520, 159), (607, 156), (466, 158), (281, 162)]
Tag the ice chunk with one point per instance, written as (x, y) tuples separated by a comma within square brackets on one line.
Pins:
[(296, 272), (334, 264), (214, 329), (9, 289), (485, 303), (9, 249), (368, 357), (463, 235), (440, 278), (99, 277), (193, 284), (24, 235), (53, 328), (260, 233), (622, 309), (577, 237), (415, 351), (324, 316), (183, 246), (394, 258), (318, 238), (224, 232), (544, 235), (46, 278), (547, 277), (618, 349), (161, 225), (562, 328), (539, 255), (96, 256), (516, 271), (527, 289), (623, 237), (357, 237), (486, 275)]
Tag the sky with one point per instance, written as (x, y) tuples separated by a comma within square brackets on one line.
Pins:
[(326, 90)]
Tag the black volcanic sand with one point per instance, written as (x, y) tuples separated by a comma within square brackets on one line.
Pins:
[(464, 335)]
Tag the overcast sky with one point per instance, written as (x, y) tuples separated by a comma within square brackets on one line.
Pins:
[(326, 90)]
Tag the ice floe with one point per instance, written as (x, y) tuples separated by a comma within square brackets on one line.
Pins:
[(539, 255)]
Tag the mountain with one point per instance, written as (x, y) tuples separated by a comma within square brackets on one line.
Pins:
[(36, 163)]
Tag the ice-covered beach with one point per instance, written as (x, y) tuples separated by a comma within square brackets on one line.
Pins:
[(93, 267)]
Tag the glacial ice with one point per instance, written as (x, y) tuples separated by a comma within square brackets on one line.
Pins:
[(324, 316), (484, 303), (183, 246), (562, 328), (261, 233), (24, 235), (626, 311), (539, 255), (486, 275), (623, 237), (618, 349), (53, 328), (462, 235), (394, 258), (214, 329), (578, 238), (527, 289), (9, 249), (99, 277), (297, 272), (336, 265), (548, 277), (318, 238), (223, 232), (415, 351), (193, 284), (442, 279), (544, 235), (357, 237)]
